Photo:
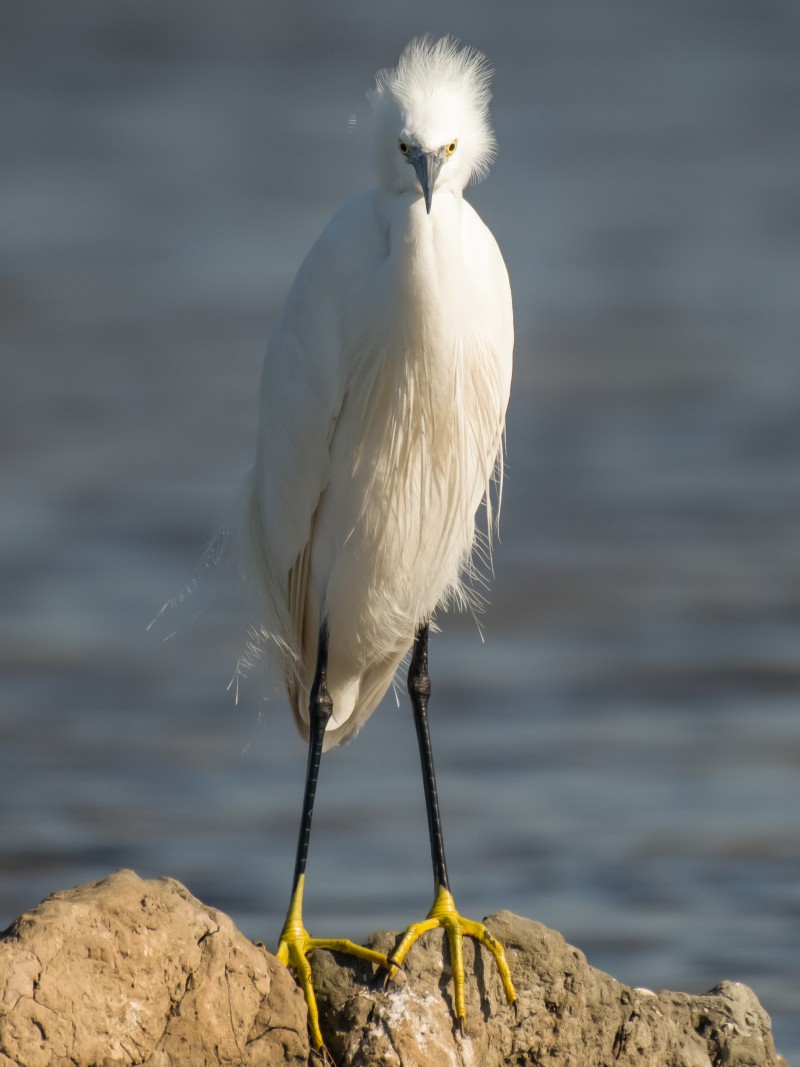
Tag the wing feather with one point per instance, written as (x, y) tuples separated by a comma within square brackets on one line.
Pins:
[(307, 370)]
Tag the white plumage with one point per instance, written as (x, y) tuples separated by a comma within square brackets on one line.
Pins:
[(383, 398)]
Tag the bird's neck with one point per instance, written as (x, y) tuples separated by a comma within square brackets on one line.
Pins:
[(426, 248)]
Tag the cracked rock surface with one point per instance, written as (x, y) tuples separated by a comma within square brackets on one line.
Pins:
[(126, 971)]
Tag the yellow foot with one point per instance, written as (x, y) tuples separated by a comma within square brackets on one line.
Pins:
[(444, 914), (293, 948)]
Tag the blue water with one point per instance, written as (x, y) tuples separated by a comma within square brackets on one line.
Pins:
[(619, 758)]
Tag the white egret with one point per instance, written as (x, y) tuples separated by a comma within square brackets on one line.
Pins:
[(381, 423)]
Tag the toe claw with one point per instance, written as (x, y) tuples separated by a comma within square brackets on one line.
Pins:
[(392, 967), (322, 1056)]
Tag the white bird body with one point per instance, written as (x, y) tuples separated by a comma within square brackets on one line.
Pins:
[(382, 413)]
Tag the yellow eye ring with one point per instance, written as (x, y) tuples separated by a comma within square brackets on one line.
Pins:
[(404, 148), (451, 148)]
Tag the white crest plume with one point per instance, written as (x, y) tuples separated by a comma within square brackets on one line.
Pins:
[(435, 81)]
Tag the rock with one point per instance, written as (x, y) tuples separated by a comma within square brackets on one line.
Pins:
[(569, 1015), (126, 971)]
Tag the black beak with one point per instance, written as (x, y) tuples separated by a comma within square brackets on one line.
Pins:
[(427, 165)]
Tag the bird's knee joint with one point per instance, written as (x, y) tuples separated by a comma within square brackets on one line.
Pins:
[(419, 685), (320, 705)]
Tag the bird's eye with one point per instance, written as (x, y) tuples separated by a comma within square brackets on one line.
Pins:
[(404, 148), (451, 148)]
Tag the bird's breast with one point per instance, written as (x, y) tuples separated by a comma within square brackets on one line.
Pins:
[(413, 450)]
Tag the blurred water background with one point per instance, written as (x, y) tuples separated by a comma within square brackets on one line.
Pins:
[(619, 759)]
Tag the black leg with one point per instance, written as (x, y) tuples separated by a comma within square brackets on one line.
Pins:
[(419, 688), (443, 913), (295, 943), (320, 708)]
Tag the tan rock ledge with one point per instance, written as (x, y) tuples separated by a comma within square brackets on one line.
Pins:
[(126, 971)]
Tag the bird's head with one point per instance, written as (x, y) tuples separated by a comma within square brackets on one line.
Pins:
[(431, 118)]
